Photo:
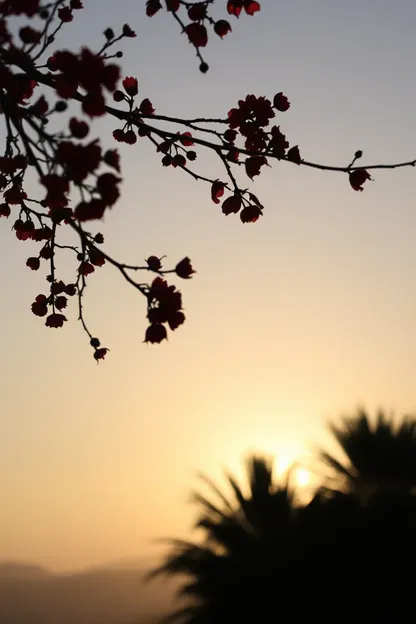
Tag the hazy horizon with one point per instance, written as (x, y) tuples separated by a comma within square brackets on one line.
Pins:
[(109, 595), (290, 322)]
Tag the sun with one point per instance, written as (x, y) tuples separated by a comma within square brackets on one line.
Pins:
[(294, 464), (302, 477)]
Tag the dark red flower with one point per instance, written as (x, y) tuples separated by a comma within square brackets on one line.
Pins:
[(254, 164), (78, 160), (61, 302), (43, 233), (110, 76), (184, 269), (112, 159), (173, 5), (280, 102), (39, 306), (130, 137), (186, 139), (154, 263), (86, 268), (232, 204), (66, 86), (251, 7), (93, 104), (58, 287), (255, 110), (46, 252), (71, 290), (294, 155), (178, 160), (96, 257), (146, 107), (197, 11), (76, 4), (65, 14), (250, 213), (55, 320), (5, 210), (278, 143), (14, 195), (33, 263), (358, 177), (217, 191), (29, 35), (24, 229), (108, 189), (176, 319), (100, 354), (87, 211), (118, 134), (152, 7), (234, 7), (57, 187), (79, 129), (167, 298), (26, 7), (40, 107), (197, 34), (128, 32), (130, 85), (155, 333), (222, 27)]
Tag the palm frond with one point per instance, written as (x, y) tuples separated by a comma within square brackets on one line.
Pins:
[(214, 487), (380, 453), (336, 465), (208, 506)]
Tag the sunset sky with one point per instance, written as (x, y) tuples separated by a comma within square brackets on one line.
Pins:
[(290, 321)]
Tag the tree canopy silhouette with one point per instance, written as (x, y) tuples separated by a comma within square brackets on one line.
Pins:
[(264, 557), (241, 535), (380, 455), (49, 99)]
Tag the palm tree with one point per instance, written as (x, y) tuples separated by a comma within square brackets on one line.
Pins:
[(381, 456), (247, 545), (265, 559)]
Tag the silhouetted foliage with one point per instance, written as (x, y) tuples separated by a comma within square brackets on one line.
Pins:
[(58, 180), (264, 558), (240, 534), (380, 455)]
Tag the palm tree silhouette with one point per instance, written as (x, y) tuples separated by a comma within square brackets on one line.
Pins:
[(381, 456), (263, 558), (248, 544)]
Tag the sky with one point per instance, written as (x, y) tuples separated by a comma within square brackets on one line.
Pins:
[(291, 321)]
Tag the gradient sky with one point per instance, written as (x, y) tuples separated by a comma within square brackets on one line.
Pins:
[(290, 321)]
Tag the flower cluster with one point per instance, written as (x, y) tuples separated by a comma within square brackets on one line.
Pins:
[(200, 19), (69, 163), (88, 71), (250, 122), (164, 301), (75, 180)]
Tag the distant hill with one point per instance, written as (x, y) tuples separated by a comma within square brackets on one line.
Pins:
[(31, 595), (11, 571)]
